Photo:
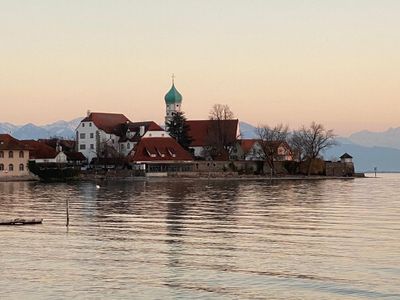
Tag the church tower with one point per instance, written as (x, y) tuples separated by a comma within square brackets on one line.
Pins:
[(173, 101)]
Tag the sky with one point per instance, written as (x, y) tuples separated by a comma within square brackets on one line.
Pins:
[(336, 62)]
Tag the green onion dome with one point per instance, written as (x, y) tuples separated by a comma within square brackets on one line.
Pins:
[(173, 96)]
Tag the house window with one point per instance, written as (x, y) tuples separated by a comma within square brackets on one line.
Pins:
[(83, 124), (1, 167), (82, 147), (21, 154), (82, 136), (10, 167), (90, 124), (91, 146), (128, 146), (10, 154), (21, 167), (1, 154), (92, 135), (122, 147)]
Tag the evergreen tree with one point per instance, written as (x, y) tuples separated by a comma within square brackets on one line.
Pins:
[(178, 129)]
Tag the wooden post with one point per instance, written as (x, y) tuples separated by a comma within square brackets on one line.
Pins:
[(67, 213)]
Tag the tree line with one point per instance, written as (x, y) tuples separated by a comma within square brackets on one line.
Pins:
[(306, 143)]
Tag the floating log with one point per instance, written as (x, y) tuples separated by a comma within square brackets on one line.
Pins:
[(20, 221)]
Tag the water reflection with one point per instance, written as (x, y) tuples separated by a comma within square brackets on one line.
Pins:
[(203, 239)]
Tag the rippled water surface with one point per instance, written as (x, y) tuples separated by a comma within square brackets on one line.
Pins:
[(161, 239)]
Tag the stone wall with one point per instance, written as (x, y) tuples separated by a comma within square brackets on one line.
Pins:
[(339, 169)]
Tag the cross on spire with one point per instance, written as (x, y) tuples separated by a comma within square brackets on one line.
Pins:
[(173, 78)]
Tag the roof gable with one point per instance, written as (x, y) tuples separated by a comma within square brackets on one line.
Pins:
[(108, 122), (247, 144), (159, 149), (39, 150), (7, 142), (346, 155)]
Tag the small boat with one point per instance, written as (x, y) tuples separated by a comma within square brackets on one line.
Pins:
[(20, 221)]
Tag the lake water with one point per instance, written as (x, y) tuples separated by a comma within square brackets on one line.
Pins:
[(196, 239)]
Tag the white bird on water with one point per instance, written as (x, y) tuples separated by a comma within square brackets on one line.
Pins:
[(97, 186)]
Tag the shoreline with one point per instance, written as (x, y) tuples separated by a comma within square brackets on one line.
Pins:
[(175, 177)]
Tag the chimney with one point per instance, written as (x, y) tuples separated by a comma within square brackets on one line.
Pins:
[(88, 113), (141, 130), (58, 146)]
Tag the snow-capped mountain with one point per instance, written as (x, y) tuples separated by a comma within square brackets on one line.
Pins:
[(64, 129), (389, 138), (369, 149)]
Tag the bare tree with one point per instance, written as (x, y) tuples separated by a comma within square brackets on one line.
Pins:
[(310, 142), (220, 137), (270, 138), (221, 112)]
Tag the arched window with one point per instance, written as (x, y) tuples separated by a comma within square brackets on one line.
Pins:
[(10, 154), (10, 167), (21, 154), (1, 154), (21, 167), (1, 167)]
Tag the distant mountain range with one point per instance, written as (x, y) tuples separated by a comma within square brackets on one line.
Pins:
[(369, 149), (64, 129)]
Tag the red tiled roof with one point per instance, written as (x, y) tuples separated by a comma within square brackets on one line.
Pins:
[(135, 127), (7, 142), (109, 122), (200, 130), (75, 156), (67, 145), (149, 126), (159, 149), (247, 144), (40, 150), (277, 144)]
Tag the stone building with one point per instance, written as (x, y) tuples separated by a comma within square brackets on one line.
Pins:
[(14, 156)]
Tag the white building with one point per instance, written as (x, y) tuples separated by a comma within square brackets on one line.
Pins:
[(97, 132), (109, 135)]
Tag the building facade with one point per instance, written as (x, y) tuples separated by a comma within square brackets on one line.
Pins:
[(14, 157)]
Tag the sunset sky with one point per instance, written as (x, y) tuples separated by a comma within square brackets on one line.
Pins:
[(294, 61)]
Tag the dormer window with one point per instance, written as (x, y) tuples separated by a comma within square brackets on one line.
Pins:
[(171, 152), (149, 153), (83, 124)]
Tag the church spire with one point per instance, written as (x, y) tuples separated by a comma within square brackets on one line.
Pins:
[(173, 101)]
